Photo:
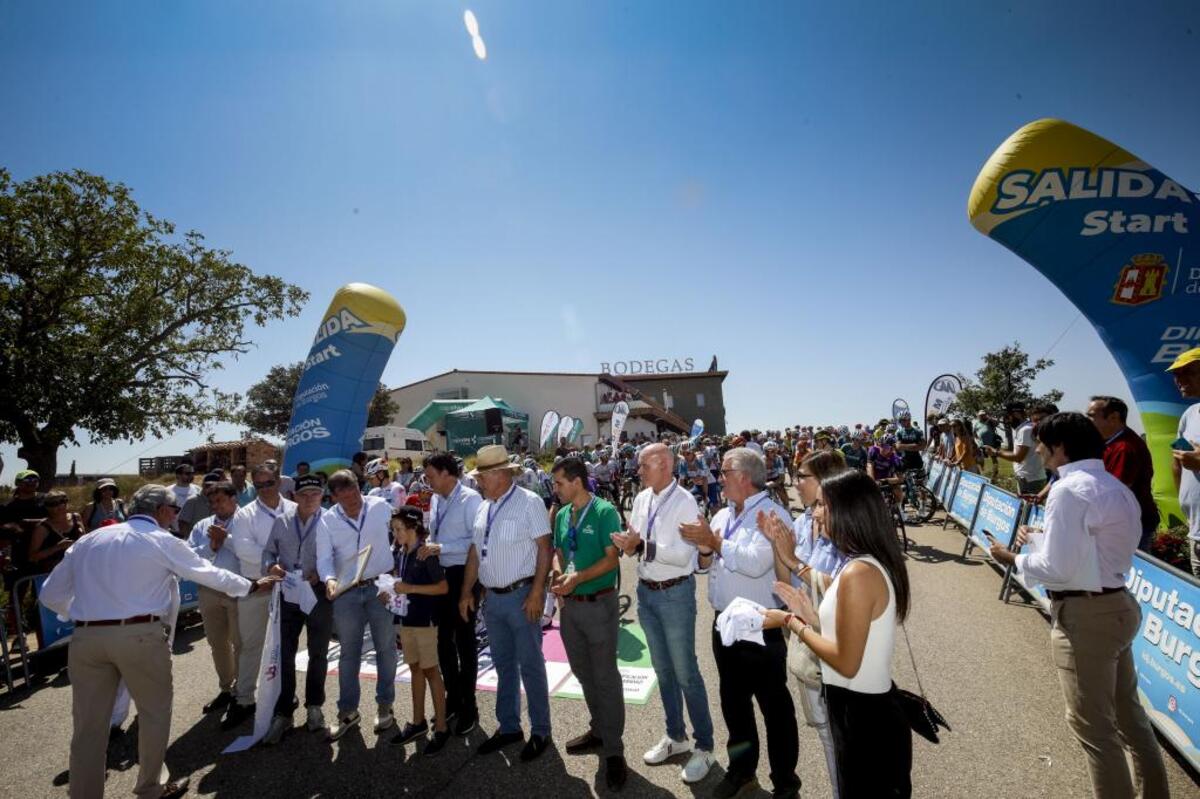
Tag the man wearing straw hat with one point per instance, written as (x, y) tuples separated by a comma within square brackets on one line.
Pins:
[(510, 556)]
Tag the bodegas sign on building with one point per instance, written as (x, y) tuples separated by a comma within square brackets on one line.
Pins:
[(648, 366)]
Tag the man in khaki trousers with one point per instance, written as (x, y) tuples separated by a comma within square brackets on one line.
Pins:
[(209, 540), (116, 585)]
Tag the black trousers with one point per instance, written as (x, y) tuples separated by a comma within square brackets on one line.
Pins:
[(457, 655), (873, 741), (319, 624), (751, 673)]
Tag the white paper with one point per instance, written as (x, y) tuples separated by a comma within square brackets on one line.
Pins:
[(354, 570), (298, 591), (269, 676), (397, 603)]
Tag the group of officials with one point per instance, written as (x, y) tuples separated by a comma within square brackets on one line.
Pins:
[(501, 555)]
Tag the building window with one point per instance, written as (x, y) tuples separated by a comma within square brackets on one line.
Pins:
[(451, 394), (699, 400)]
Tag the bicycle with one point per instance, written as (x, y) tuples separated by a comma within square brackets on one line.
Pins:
[(777, 492), (887, 486), (917, 502)]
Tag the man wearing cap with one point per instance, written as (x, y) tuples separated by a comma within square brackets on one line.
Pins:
[(184, 489), (510, 557), (209, 540), (249, 531), (350, 526), (117, 587), (27, 502), (196, 508), (1185, 463), (452, 514), (1027, 463), (292, 550)]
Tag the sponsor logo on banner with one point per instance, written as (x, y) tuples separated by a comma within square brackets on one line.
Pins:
[(549, 425), (1141, 280), (619, 414), (340, 321)]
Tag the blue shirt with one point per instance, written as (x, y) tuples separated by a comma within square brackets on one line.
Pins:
[(815, 550), (452, 523), (198, 540)]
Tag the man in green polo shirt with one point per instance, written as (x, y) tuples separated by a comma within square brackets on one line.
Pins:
[(586, 583)]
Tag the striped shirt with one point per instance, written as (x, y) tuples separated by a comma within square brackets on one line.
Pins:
[(340, 538), (745, 566), (452, 523), (509, 552)]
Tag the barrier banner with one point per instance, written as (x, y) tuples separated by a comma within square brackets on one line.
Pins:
[(564, 429), (949, 484), (341, 374), (933, 478), (1166, 651), (620, 413), (998, 513), (1035, 515), (1113, 234), (53, 629), (189, 595), (941, 393), (966, 498), (549, 425)]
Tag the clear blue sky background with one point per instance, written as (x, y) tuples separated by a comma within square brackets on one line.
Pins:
[(782, 184)]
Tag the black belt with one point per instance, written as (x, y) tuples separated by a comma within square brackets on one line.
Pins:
[(592, 597), (146, 619), (661, 585), (508, 589), (1069, 594)]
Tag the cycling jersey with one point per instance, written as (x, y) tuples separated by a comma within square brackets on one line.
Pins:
[(605, 472), (885, 465), (910, 435), (855, 458), (775, 468)]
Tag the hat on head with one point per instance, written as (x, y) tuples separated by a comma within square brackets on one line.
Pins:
[(491, 458), (309, 482), (1189, 357), (103, 483), (26, 474), (185, 467), (214, 477)]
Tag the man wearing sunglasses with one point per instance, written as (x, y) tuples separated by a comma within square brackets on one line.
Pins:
[(27, 502), (249, 533)]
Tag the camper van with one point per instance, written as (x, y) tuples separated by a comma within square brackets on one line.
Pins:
[(397, 442)]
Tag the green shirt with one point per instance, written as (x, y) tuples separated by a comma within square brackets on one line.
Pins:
[(592, 536)]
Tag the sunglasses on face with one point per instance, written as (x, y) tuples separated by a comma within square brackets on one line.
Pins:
[(265, 484)]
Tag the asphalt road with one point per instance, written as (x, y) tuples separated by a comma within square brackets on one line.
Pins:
[(984, 664)]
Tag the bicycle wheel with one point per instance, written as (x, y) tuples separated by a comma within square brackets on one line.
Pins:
[(899, 518), (918, 504)]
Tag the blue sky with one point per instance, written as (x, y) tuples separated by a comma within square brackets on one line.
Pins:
[(782, 184)]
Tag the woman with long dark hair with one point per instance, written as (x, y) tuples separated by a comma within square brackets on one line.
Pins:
[(858, 619)]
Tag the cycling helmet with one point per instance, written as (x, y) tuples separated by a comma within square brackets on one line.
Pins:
[(375, 467), (771, 445), (904, 415), (888, 441), (530, 463)]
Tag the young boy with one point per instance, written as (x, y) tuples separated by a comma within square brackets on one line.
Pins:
[(418, 583)]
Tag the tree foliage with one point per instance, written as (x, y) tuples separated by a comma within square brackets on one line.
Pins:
[(1006, 376), (111, 322), (268, 408)]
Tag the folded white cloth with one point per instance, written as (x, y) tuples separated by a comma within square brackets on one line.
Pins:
[(741, 620)]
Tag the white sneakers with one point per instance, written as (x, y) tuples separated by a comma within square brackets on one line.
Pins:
[(698, 765), (665, 749), (384, 719), (316, 719)]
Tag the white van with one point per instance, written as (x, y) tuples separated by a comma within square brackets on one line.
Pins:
[(398, 442)]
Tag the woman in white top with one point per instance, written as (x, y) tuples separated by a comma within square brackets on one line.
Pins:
[(858, 617)]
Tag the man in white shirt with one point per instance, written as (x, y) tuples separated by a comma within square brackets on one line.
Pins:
[(666, 595), (1185, 464), (249, 532), (347, 528), (510, 556), (451, 529), (1027, 464), (1092, 526), (741, 561), (184, 489), (117, 586)]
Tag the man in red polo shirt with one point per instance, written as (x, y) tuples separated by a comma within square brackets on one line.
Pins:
[(1127, 458)]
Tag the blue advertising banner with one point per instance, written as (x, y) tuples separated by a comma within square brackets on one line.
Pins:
[(998, 513), (1035, 515), (189, 595), (54, 629), (1166, 651), (1118, 238), (948, 486), (933, 478), (341, 374), (966, 498)]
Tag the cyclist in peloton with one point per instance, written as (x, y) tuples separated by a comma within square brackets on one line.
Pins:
[(776, 467), (854, 452), (884, 464), (909, 442)]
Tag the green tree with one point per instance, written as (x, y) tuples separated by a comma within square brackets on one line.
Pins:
[(111, 322), (1006, 376), (268, 408)]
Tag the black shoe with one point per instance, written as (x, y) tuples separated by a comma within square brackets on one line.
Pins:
[(223, 700), (615, 772), (498, 741), (175, 788), (733, 784), (791, 792), (534, 747), (465, 723), (235, 715), (437, 743), (411, 732), (583, 743)]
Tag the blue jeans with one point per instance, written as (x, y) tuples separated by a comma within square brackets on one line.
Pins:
[(353, 611), (516, 644), (668, 618)]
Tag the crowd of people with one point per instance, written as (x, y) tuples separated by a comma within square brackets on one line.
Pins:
[(804, 607)]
